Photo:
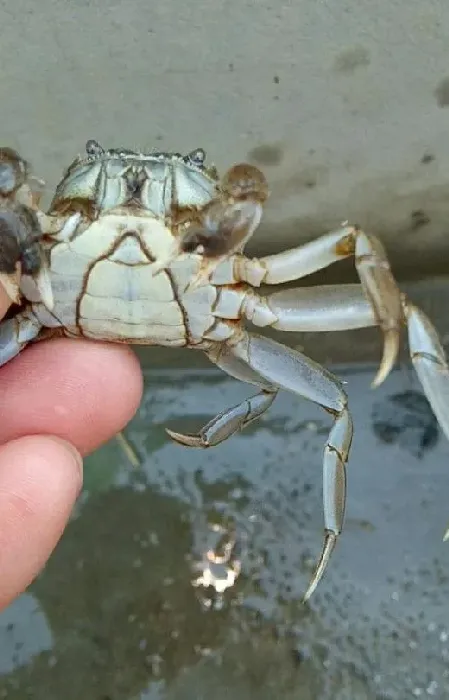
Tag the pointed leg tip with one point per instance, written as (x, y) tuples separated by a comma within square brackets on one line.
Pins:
[(446, 536), (384, 370), (308, 594), (330, 540), (379, 378), (390, 353), (312, 585), (186, 440)]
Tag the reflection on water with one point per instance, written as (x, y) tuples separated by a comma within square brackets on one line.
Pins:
[(219, 566), (182, 579)]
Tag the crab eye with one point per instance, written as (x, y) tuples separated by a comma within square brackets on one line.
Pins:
[(197, 157), (93, 149)]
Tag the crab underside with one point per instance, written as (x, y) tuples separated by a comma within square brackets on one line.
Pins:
[(148, 249)]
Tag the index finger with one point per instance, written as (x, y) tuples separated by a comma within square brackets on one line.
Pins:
[(82, 391)]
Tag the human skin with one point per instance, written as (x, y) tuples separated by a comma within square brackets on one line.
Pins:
[(59, 401)]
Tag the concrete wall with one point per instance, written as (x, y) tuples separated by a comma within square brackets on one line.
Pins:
[(344, 104)]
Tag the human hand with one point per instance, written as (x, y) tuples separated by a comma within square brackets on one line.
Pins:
[(59, 401)]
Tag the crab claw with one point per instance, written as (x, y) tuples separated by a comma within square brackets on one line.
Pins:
[(21, 256), (10, 254), (381, 289), (22, 230)]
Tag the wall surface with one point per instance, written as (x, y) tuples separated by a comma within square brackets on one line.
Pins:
[(344, 104)]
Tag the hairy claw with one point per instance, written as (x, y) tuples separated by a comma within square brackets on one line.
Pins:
[(21, 254), (22, 260), (11, 229)]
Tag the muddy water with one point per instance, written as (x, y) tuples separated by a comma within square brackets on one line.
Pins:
[(122, 611)]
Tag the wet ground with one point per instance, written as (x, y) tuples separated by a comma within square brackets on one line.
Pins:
[(116, 615)]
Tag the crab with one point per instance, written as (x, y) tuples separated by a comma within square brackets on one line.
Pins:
[(147, 248)]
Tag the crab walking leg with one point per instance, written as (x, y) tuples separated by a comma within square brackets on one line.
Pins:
[(327, 308), (344, 307), (16, 333), (237, 417), (372, 266), (430, 363), (431, 366), (288, 369)]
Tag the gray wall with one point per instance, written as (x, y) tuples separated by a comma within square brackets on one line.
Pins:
[(344, 104)]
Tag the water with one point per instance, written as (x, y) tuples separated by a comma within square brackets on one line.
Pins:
[(122, 611)]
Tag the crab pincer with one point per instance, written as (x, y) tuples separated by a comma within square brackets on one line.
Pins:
[(22, 258)]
